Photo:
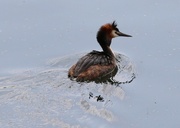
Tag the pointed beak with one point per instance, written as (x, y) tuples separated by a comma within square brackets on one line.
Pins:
[(123, 34)]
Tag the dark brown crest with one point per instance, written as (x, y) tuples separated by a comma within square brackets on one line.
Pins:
[(114, 24)]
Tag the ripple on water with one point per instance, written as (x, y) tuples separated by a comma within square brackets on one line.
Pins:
[(47, 98), (126, 69)]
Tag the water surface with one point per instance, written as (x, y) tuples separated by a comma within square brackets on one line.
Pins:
[(40, 40)]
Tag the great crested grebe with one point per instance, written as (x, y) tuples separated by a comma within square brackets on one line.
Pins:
[(98, 66)]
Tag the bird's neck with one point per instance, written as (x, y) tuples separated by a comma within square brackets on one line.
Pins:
[(105, 43), (107, 50)]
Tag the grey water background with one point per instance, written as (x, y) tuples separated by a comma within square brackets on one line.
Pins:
[(40, 40)]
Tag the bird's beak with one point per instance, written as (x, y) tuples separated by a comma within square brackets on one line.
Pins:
[(123, 34)]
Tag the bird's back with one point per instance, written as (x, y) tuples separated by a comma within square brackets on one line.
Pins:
[(91, 66)]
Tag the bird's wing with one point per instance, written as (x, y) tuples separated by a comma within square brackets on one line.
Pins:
[(92, 58)]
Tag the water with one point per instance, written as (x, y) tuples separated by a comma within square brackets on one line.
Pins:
[(52, 100), (40, 40)]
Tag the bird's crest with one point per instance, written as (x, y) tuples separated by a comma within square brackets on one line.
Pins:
[(114, 24)]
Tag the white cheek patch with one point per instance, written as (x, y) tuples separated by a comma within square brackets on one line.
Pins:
[(113, 33)]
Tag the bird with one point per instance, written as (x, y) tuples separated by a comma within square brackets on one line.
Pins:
[(98, 66)]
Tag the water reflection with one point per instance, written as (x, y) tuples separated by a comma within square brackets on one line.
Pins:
[(49, 97), (125, 71)]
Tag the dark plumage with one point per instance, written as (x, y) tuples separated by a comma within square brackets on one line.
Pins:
[(98, 66)]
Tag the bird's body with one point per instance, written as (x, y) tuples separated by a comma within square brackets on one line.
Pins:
[(95, 66), (98, 66)]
